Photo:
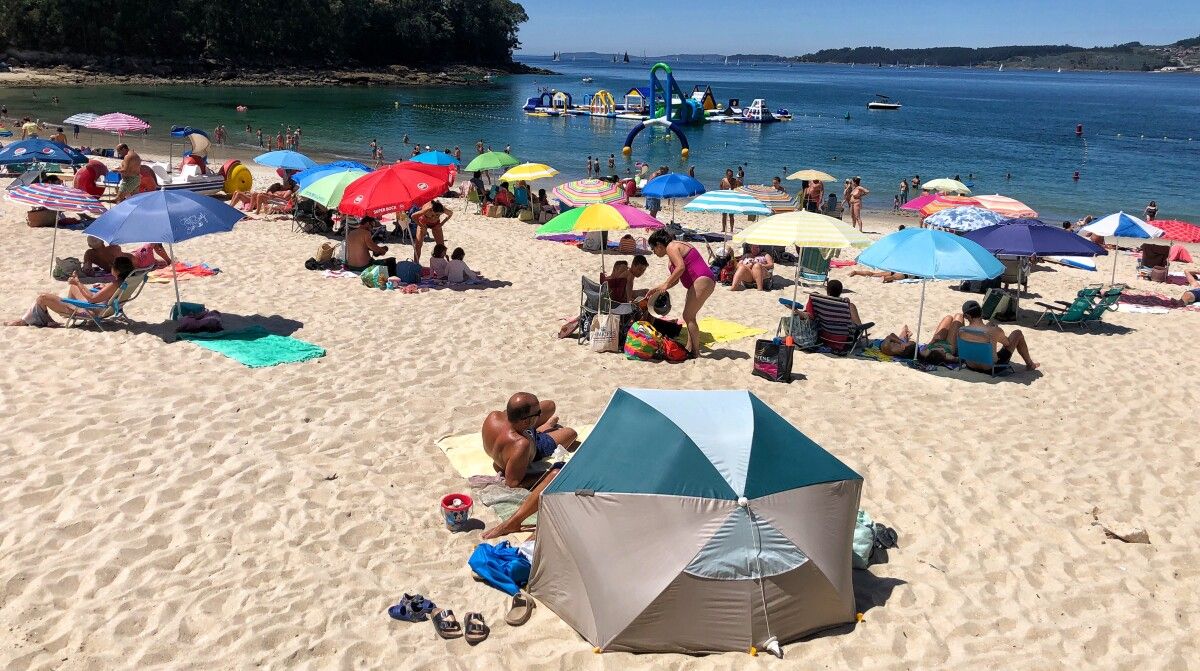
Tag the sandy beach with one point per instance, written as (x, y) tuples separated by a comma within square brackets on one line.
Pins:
[(163, 507)]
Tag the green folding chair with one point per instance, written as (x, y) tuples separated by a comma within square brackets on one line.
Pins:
[(1075, 312)]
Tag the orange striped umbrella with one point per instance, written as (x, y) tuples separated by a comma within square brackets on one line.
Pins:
[(946, 202)]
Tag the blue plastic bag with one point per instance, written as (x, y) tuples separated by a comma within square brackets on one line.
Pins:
[(500, 566)]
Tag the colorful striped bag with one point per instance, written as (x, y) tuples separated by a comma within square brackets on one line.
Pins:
[(642, 341)]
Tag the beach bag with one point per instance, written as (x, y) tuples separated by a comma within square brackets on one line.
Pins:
[(409, 272), (864, 540), (525, 215), (803, 331), (642, 342), (324, 252), (593, 241), (673, 351), (1158, 274), (772, 361), (605, 334), (64, 267), (500, 566), (374, 277)]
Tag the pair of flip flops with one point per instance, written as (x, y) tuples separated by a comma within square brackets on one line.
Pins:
[(474, 630), (412, 608)]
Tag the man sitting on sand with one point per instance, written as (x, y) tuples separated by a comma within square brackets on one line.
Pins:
[(360, 246), (1015, 341), (1192, 295), (526, 431), (130, 170)]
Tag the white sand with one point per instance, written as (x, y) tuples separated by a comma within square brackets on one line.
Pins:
[(164, 507)]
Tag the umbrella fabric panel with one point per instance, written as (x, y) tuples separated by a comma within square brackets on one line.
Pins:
[(588, 191), (966, 218), (931, 254), (801, 602), (812, 176), (941, 202), (919, 202), (1121, 225), (802, 229), (286, 159), (1008, 207), (598, 217), (57, 198), (727, 202), (592, 535), (306, 177), (672, 185), (37, 150), (329, 188), (778, 201), (733, 553), (118, 123), (164, 216), (783, 458), (694, 615), (528, 172), (951, 186), (435, 158), (614, 456), (1180, 231), (80, 119), (492, 160)]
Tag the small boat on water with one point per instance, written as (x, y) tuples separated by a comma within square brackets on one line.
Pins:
[(883, 102), (587, 80)]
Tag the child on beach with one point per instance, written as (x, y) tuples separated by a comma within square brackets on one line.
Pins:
[(457, 269), (438, 264)]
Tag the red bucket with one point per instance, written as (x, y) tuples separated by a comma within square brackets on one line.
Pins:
[(456, 509)]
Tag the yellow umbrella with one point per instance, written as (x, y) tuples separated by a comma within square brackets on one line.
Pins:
[(949, 186), (527, 172), (812, 176)]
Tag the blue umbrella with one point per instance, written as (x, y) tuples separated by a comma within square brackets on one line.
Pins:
[(672, 185), (164, 217), (435, 158), (1031, 237), (286, 159), (306, 177), (37, 150), (932, 255)]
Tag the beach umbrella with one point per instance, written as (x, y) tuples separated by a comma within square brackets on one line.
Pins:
[(1008, 207), (286, 159), (598, 217), (778, 201), (306, 177), (930, 254), (1032, 237), (947, 186), (963, 218), (81, 119), (812, 176), (118, 123), (744, 528), (587, 192), (435, 158), (802, 229), (393, 189), (1179, 231), (941, 202), (1121, 225), (727, 201), (528, 172), (491, 160), (164, 217), (58, 198), (919, 202), (328, 188), (671, 186), (37, 150)]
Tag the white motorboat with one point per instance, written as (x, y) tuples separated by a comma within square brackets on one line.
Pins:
[(883, 102)]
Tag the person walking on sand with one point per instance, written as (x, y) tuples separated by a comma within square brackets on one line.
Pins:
[(260, 139), (855, 198), (847, 187), (687, 267), (728, 182)]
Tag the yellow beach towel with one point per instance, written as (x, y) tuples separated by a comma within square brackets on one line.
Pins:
[(713, 331), (466, 455)]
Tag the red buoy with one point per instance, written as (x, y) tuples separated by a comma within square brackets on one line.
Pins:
[(1078, 130)]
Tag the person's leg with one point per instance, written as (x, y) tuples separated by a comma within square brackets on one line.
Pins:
[(53, 302), (700, 291), (942, 330), (528, 507), (1016, 340), (758, 274), (418, 242), (739, 276), (437, 235)]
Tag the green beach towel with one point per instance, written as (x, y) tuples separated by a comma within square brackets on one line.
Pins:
[(256, 347)]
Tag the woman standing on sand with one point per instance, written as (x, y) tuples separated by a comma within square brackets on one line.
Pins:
[(688, 268), (855, 198)]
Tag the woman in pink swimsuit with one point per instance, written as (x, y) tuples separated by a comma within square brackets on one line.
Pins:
[(687, 267)]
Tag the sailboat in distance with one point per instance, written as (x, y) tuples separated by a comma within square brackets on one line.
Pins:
[(626, 58)]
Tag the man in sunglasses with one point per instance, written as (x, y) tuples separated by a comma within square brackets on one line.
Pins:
[(526, 431)]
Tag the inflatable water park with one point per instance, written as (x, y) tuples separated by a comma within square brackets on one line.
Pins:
[(662, 103)]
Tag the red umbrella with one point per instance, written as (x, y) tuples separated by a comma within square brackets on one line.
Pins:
[(444, 172), (392, 189), (1180, 231)]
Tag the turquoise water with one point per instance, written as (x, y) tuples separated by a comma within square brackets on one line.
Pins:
[(1141, 140)]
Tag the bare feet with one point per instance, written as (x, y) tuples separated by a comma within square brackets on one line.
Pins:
[(1032, 366), (509, 526)]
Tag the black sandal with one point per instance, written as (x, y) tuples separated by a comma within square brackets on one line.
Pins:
[(446, 625), (477, 629)]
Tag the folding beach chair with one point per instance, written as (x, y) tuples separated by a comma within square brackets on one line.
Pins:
[(1107, 302), (835, 328), (594, 299), (1074, 312), (1016, 271), (114, 309), (814, 266), (976, 346)]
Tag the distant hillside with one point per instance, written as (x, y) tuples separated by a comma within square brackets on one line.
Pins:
[(1131, 56)]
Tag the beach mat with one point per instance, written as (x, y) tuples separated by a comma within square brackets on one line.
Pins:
[(714, 331), (256, 347)]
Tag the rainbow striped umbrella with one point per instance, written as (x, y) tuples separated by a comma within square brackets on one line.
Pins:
[(118, 123), (56, 197), (777, 200), (588, 192), (598, 217)]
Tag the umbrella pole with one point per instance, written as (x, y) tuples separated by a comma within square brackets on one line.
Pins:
[(795, 293), (920, 315), (53, 245), (1116, 253), (174, 277)]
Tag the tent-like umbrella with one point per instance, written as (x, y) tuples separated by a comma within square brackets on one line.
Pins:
[(37, 150), (588, 192), (930, 254), (528, 172), (598, 217), (947, 186), (306, 177), (671, 186), (491, 160), (1010, 208), (727, 201), (946, 202), (435, 158), (286, 159), (812, 176), (963, 218), (744, 528), (777, 200), (59, 199), (1179, 231), (118, 123), (397, 187), (1121, 225), (165, 217), (802, 229)]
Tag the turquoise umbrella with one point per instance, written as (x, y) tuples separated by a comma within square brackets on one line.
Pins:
[(931, 255)]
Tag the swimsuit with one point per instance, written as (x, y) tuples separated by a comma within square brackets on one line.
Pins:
[(694, 268), (543, 445), (130, 184), (1195, 294)]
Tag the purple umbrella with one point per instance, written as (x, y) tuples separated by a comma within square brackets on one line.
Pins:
[(1031, 237)]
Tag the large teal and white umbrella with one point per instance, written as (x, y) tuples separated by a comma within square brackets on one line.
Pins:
[(727, 201), (693, 522)]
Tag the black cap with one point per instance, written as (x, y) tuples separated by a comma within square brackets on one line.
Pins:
[(972, 308)]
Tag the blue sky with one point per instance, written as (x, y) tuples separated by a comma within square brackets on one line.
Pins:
[(791, 28)]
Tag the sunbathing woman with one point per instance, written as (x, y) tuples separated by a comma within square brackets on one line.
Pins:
[(939, 351), (689, 269), (39, 313), (881, 274), (752, 267), (277, 194)]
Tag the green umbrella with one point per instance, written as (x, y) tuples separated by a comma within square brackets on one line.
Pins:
[(492, 160), (327, 191)]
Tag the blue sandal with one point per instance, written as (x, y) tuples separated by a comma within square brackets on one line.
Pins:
[(414, 608)]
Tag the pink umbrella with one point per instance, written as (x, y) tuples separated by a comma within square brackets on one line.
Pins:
[(919, 202), (1011, 208), (119, 123)]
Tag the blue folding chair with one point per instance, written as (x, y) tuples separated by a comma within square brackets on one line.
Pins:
[(977, 350)]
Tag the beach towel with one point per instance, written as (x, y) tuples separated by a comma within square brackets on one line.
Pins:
[(255, 347), (340, 274), (842, 263), (186, 271), (1152, 303), (714, 331)]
